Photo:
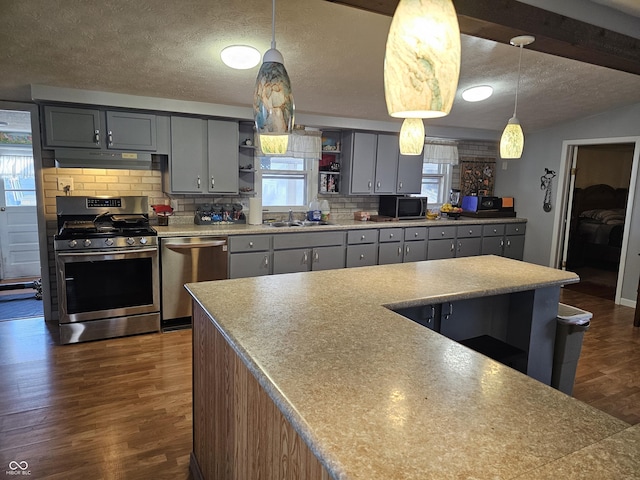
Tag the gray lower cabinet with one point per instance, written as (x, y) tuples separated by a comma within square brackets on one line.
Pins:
[(469, 240), (301, 252), (204, 156), (362, 248), (249, 256), (442, 242), (391, 246), (514, 241), (415, 244), (99, 129), (504, 239)]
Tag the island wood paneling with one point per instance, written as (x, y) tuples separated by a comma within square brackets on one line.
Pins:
[(238, 432)]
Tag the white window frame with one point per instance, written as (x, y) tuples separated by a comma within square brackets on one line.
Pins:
[(444, 176), (310, 174)]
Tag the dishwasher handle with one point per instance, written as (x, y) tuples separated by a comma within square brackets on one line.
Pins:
[(187, 246)]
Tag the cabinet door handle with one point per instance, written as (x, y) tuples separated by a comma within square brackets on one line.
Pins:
[(470, 232), (495, 230), (508, 243), (448, 315), (453, 247), (305, 258), (250, 244), (432, 315), (363, 238), (406, 249), (316, 257), (198, 181), (502, 243), (399, 251), (459, 245), (266, 260), (379, 184), (391, 235), (369, 184), (400, 185), (110, 138), (442, 233), (361, 256), (415, 234), (213, 182), (96, 137)]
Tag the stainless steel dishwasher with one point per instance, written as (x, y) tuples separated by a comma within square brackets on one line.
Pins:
[(188, 260)]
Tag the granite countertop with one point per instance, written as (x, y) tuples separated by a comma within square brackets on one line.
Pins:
[(377, 396), (186, 227)]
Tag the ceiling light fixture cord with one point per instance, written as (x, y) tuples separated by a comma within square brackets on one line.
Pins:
[(515, 108), (273, 24)]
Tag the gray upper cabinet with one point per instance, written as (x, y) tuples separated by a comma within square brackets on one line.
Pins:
[(372, 165), (204, 156), (359, 161), (409, 174), (387, 153), (223, 156), (97, 129)]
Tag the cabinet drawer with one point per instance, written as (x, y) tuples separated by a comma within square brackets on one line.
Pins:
[(415, 233), (307, 240), (362, 255), (362, 236), (515, 228), (390, 234), (442, 232), (493, 230), (465, 231), (248, 243)]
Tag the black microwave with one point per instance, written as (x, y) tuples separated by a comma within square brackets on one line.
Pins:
[(406, 208)]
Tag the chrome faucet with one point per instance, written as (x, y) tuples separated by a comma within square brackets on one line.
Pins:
[(290, 216)]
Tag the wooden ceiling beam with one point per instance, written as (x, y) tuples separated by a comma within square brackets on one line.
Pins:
[(501, 20)]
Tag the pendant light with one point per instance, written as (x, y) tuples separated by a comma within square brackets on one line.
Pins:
[(512, 140), (273, 106), (422, 59), (412, 136)]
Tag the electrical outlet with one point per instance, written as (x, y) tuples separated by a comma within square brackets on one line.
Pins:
[(174, 205), (65, 184), (504, 164)]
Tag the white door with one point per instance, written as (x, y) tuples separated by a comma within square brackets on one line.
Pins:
[(19, 250)]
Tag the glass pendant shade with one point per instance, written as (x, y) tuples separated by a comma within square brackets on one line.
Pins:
[(412, 136), (422, 59), (273, 106), (274, 144), (512, 140)]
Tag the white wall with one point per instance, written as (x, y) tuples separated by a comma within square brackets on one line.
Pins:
[(545, 149)]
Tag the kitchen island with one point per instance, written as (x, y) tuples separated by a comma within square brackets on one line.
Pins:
[(313, 375)]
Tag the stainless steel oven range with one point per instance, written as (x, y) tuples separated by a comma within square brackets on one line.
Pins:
[(106, 256)]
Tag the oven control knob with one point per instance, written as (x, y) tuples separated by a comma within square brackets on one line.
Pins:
[(130, 241), (87, 243), (108, 242), (73, 243), (143, 240)]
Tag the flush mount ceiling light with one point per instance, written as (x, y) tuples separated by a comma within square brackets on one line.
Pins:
[(422, 59), (412, 136), (477, 94), (240, 57), (512, 140), (273, 106)]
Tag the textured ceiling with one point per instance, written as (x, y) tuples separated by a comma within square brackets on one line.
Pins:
[(334, 55)]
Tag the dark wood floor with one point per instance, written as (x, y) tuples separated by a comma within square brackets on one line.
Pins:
[(121, 408)]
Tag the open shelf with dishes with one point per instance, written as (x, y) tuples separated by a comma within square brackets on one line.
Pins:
[(329, 166)]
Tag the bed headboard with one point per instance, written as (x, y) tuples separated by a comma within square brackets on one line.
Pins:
[(598, 196)]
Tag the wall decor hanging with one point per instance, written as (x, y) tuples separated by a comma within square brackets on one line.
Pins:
[(477, 176), (546, 185)]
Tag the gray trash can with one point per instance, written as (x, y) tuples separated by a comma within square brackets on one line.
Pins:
[(572, 322)]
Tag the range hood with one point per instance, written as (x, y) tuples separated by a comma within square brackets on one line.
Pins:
[(82, 158)]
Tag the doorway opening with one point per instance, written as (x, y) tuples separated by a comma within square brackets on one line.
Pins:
[(596, 176), (20, 272)]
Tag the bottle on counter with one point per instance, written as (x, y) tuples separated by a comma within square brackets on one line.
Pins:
[(325, 212), (314, 210)]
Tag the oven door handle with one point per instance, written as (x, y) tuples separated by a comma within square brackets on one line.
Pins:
[(103, 253), (185, 246)]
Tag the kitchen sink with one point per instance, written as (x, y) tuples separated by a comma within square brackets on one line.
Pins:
[(305, 223)]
